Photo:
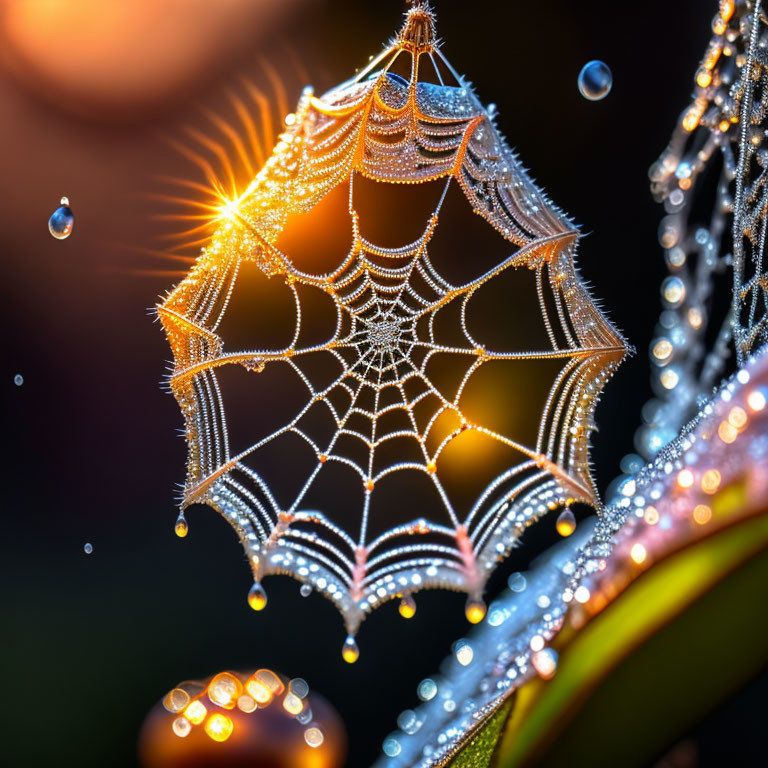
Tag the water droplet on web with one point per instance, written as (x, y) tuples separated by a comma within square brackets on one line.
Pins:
[(305, 590), (18, 379), (62, 221), (88, 548), (257, 597), (427, 689), (181, 528), (350, 652), (595, 80), (566, 523)]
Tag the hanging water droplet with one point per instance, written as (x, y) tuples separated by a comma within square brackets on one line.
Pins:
[(595, 80), (305, 590), (475, 610), (566, 523), (407, 607), (516, 582), (350, 652), (181, 528), (88, 548), (427, 689), (545, 663), (18, 379), (62, 221), (257, 597)]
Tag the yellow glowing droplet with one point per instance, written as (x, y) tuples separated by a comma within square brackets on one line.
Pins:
[(257, 597), (181, 528), (737, 417), (270, 681), (756, 400), (727, 432), (566, 523), (195, 712), (475, 611), (292, 704), (247, 703), (219, 727), (369, 484), (710, 481), (702, 514), (407, 607), (431, 467), (259, 692), (685, 478), (181, 727), (176, 700), (290, 119), (651, 515), (704, 78), (638, 553), (690, 121), (350, 652), (224, 690), (314, 737), (727, 7)]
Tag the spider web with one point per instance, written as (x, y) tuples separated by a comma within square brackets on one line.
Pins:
[(374, 403)]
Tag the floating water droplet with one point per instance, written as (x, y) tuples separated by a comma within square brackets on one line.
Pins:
[(595, 80), (62, 221), (407, 607), (88, 548), (391, 747), (475, 610), (305, 590), (181, 528), (314, 737), (516, 582), (257, 597), (18, 379), (350, 652), (566, 523)]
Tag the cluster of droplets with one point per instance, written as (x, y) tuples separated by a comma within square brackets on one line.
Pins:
[(209, 702), (683, 369), (672, 501)]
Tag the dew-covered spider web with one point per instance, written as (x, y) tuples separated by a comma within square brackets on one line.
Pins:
[(360, 376)]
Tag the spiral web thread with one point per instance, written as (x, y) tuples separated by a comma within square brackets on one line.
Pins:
[(388, 303)]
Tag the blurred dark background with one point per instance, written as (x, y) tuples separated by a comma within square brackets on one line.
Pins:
[(90, 642)]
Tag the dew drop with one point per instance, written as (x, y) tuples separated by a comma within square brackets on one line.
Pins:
[(181, 528), (18, 379), (475, 610), (350, 652), (62, 221), (88, 548), (305, 590), (407, 607), (257, 597), (566, 523), (595, 80)]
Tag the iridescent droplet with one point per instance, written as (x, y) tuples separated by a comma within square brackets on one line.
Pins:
[(181, 528), (62, 221), (516, 582), (407, 607), (427, 689), (18, 379), (566, 523), (257, 597), (305, 590), (350, 652), (88, 548), (595, 80)]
